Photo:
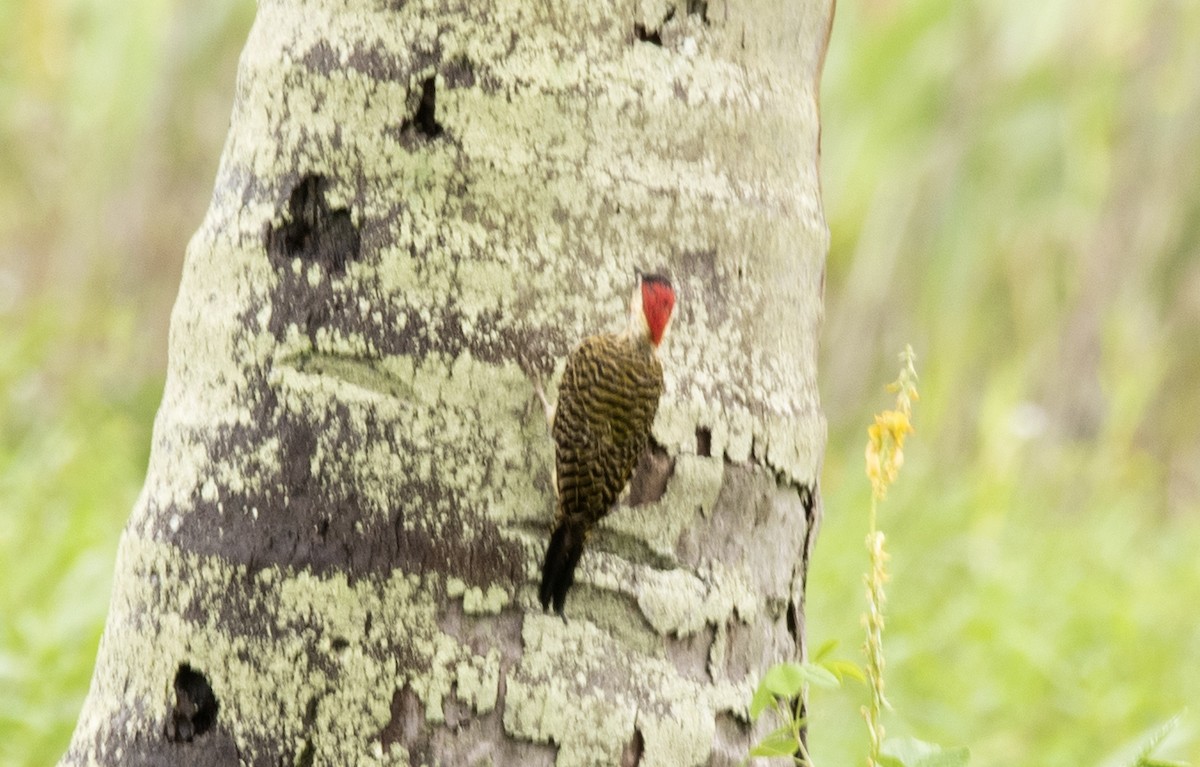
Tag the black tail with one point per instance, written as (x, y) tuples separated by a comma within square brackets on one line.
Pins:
[(558, 571)]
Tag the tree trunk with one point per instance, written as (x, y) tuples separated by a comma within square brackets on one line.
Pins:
[(420, 210)]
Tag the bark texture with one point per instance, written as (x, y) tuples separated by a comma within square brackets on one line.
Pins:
[(420, 206)]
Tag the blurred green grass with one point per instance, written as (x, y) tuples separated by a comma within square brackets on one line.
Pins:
[(111, 125), (1010, 186), (74, 441)]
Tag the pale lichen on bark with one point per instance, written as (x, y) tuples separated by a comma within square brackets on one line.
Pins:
[(421, 206)]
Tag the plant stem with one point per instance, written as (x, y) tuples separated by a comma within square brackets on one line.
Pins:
[(874, 645)]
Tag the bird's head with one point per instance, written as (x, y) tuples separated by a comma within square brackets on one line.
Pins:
[(650, 307)]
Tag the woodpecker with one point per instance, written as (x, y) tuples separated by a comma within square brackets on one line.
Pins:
[(606, 405)]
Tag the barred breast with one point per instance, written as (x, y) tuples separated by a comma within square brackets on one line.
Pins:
[(606, 405)]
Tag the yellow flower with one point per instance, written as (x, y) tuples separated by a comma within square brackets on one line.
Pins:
[(885, 449), (885, 437), (885, 456)]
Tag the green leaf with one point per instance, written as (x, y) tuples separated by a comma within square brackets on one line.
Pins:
[(784, 680), (761, 700), (1154, 740), (779, 743), (910, 752), (824, 650), (820, 676), (845, 668)]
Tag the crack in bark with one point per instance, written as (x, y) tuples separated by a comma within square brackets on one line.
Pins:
[(810, 500)]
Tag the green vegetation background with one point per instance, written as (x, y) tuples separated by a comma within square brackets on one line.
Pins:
[(1013, 186)]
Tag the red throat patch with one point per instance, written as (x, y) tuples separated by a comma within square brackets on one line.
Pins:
[(658, 300)]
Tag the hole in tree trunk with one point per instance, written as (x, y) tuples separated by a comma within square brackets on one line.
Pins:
[(652, 35), (654, 38), (312, 231), (650, 478), (425, 120), (195, 710)]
